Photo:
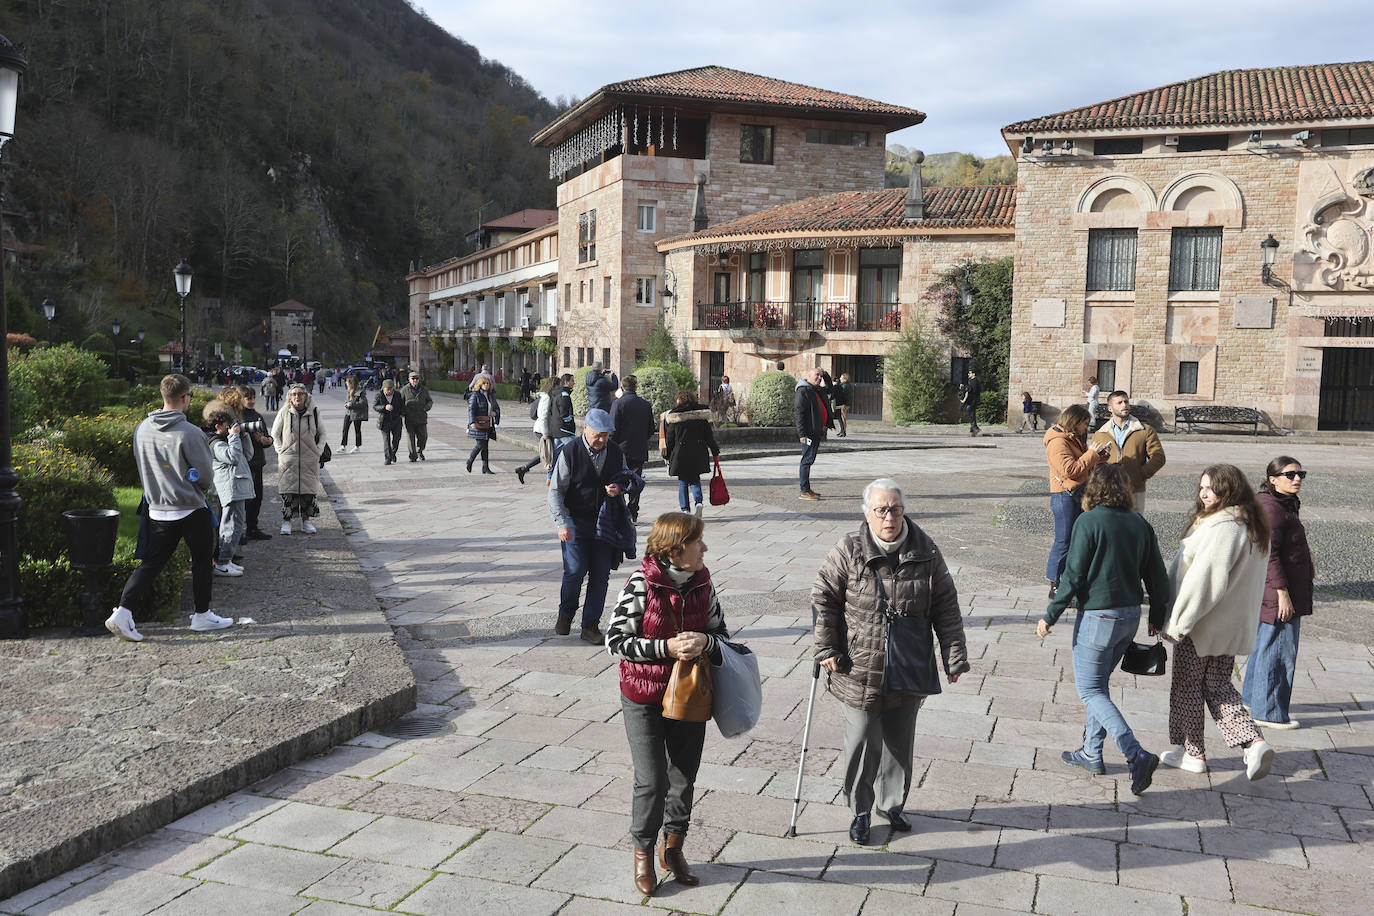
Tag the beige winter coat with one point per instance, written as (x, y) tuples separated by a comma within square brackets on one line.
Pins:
[(1218, 580), (299, 440)]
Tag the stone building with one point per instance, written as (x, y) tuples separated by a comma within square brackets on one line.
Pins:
[(826, 281), (492, 306), (292, 327), (1142, 225), (652, 158)]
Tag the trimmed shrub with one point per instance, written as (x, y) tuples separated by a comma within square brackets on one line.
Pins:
[(108, 440), (579, 391), (913, 374), (771, 397), (657, 386), (52, 589), (144, 398), (52, 480), (681, 375), (50, 383)]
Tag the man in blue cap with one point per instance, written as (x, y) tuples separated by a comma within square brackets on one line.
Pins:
[(581, 482)]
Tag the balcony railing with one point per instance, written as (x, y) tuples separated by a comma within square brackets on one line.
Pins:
[(829, 317)]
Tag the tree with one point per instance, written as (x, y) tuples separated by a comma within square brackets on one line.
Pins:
[(983, 330), (659, 348), (914, 376)]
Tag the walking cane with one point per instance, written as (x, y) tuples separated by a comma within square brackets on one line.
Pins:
[(806, 734)]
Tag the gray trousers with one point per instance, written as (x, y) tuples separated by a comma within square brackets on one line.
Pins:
[(878, 745), (666, 755)]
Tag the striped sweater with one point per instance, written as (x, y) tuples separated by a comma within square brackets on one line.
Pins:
[(622, 633)]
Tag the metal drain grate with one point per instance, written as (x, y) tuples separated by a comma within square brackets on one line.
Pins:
[(416, 727)]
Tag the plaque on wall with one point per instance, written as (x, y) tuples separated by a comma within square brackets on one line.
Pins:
[(1254, 311), (1048, 313)]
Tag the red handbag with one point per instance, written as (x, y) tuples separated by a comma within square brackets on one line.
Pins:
[(719, 494)]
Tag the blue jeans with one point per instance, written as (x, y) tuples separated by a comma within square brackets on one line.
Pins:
[(1100, 638), (585, 557), (1268, 686), (808, 458), (684, 484), (1066, 509)]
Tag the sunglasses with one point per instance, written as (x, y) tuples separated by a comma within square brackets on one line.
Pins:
[(1292, 475)]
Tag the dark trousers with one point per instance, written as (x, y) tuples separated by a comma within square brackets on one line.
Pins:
[(255, 504), (417, 434), (199, 534), (632, 499), (808, 458), (878, 745), (585, 557), (479, 451), (391, 441), (666, 755), (357, 424)]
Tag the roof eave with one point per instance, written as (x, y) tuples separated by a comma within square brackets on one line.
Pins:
[(692, 241)]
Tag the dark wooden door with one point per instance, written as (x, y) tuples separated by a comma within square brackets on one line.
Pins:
[(1347, 392)]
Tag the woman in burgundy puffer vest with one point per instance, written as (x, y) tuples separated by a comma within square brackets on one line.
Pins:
[(668, 610)]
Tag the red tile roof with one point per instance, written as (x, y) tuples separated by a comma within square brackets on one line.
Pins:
[(723, 87), (290, 305), (972, 207), (522, 219), (1264, 95)]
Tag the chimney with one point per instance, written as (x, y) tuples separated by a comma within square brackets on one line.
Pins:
[(915, 199), (699, 204)]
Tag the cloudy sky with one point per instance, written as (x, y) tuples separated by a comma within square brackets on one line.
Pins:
[(971, 66)]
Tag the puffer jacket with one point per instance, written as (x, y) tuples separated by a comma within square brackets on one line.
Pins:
[(1069, 458), (690, 441), (851, 626), (1290, 559)]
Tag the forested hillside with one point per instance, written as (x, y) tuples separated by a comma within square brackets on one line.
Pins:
[(946, 169), (307, 149)]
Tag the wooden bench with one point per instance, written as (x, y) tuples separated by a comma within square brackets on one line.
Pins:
[(1216, 414)]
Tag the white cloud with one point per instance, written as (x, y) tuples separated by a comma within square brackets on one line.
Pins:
[(972, 66)]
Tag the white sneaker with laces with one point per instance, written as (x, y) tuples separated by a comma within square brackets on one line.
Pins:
[(285, 527), (352, 449), (210, 621), (1259, 756), (232, 565), (228, 569), (121, 624), (307, 528), (1281, 726), (1179, 758)]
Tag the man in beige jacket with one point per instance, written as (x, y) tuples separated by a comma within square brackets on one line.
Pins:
[(1132, 444)]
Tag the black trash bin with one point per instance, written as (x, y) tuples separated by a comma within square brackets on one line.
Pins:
[(91, 535)]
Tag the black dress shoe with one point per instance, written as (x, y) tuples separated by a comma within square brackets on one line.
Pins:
[(520, 472), (422, 456), (897, 820), (413, 458), (488, 471), (858, 829), (258, 535), (593, 635)]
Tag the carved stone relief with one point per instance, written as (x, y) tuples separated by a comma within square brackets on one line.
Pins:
[(1336, 235)]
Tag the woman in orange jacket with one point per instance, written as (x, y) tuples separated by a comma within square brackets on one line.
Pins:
[(1070, 462)]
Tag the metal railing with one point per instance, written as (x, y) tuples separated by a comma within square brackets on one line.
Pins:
[(830, 317)]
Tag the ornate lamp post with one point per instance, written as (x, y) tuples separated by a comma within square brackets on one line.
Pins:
[(182, 272), (142, 333), (115, 326), (49, 312), (13, 623)]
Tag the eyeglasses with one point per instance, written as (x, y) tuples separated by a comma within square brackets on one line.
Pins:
[(1299, 475), (885, 511)]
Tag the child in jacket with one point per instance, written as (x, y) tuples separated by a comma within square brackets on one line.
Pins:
[(233, 482)]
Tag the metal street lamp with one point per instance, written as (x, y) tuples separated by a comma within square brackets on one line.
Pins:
[(1269, 249), (115, 326), (13, 623), (49, 312), (141, 334), (182, 272)]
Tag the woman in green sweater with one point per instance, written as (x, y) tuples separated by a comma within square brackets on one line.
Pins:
[(1111, 552)]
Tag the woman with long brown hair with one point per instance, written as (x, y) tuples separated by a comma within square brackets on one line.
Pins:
[(1070, 462), (1218, 580)]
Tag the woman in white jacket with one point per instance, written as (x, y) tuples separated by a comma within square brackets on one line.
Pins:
[(543, 430), (1218, 580)]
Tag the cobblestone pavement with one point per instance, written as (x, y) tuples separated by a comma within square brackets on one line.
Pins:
[(522, 804)]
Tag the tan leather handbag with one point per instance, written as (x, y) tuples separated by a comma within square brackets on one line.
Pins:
[(689, 697)]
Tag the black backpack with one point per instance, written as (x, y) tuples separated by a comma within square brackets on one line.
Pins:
[(534, 408)]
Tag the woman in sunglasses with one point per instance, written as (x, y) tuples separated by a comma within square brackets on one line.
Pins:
[(1268, 686)]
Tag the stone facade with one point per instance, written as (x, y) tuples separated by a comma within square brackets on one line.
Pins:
[(1246, 343), (292, 325)]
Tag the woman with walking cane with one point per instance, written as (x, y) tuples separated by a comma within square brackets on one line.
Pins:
[(881, 598)]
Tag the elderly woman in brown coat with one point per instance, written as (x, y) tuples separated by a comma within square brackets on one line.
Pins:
[(884, 584)]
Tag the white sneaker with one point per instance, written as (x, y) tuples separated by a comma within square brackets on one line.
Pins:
[(697, 510), (1180, 759), (1282, 726), (1259, 756), (285, 527), (352, 449), (307, 528), (228, 569), (121, 624), (210, 621)]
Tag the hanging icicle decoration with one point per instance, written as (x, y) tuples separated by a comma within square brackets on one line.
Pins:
[(674, 128), (587, 144), (636, 128), (662, 117)]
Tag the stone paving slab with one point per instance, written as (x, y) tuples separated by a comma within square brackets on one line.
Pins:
[(1000, 825)]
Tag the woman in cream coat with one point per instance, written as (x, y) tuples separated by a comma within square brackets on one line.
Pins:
[(1218, 580)]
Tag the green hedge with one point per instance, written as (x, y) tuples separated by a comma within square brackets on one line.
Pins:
[(53, 479), (108, 440), (771, 399), (657, 386), (48, 384), (52, 589), (580, 399), (682, 376)]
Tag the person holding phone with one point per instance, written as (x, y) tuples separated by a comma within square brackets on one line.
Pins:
[(813, 419), (1070, 461)]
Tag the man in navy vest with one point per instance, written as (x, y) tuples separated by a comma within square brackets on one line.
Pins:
[(581, 482)]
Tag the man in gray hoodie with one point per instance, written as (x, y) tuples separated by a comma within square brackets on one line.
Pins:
[(176, 467)]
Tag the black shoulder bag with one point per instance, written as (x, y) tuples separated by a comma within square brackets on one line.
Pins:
[(909, 650)]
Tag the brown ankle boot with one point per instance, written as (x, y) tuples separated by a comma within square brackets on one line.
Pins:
[(671, 858), (645, 879)]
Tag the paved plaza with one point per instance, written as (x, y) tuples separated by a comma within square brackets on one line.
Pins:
[(521, 805)]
